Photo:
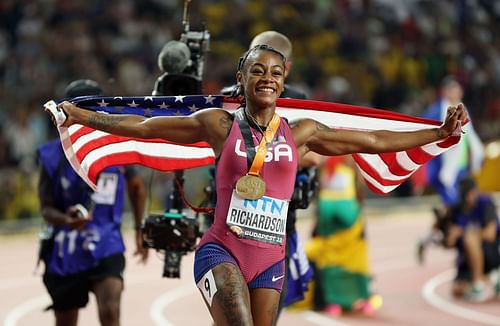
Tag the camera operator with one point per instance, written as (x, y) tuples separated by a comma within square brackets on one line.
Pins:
[(173, 232), (83, 249), (182, 62), (475, 233), (296, 282), (178, 76)]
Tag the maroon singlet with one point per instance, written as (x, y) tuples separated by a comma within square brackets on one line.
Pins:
[(278, 171)]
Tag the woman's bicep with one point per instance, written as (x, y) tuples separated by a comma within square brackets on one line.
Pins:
[(340, 142), (208, 125), (174, 129)]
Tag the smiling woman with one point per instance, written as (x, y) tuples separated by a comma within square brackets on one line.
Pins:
[(239, 266)]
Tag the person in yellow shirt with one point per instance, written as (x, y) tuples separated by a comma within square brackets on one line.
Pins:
[(339, 249)]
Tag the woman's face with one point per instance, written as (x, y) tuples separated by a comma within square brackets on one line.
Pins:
[(262, 78)]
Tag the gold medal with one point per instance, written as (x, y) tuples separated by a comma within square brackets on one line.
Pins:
[(250, 187)]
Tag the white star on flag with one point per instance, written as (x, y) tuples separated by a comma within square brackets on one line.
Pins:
[(209, 99), (179, 98), (133, 104), (102, 103), (192, 108), (163, 106), (146, 98)]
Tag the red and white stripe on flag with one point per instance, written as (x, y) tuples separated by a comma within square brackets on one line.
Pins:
[(90, 151)]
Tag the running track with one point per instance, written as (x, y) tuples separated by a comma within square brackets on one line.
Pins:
[(413, 294)]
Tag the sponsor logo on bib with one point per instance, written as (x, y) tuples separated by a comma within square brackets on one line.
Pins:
[(263, 219)]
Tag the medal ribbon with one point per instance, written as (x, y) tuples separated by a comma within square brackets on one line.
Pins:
[(267, 138), (255, 159)]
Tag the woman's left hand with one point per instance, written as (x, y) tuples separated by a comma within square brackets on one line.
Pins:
[(455, 119)]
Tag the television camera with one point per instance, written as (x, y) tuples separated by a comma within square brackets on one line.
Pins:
[(172, 232), (182, 63)]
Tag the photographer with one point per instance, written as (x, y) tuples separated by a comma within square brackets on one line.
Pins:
[(84, 251), (475, 233)]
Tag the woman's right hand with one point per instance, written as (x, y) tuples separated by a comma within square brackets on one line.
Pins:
[(69, 109), (61, 114)]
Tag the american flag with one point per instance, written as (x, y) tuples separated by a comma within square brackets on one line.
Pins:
[(90, 151)]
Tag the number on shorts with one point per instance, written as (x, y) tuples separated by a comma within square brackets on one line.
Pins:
[(208, 287)]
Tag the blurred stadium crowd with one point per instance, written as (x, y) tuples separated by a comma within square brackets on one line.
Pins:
[(379, 53)]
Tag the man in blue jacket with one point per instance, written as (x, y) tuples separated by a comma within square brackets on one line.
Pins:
[(86, 251), (445, 171)]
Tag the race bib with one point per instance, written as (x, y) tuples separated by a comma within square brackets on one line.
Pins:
[(106, 189), (68, 240), (262, 219)]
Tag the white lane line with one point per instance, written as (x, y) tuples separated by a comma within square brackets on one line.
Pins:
[(161, 302), (319, 319), (428, 292), (24, 308)]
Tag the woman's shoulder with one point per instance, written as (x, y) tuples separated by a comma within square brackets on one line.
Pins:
[(303, 129), (212, 117), (303, 124), (217, 123)]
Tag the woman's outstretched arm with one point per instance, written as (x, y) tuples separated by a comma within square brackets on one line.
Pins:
[(327, 141), (208, 125)]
